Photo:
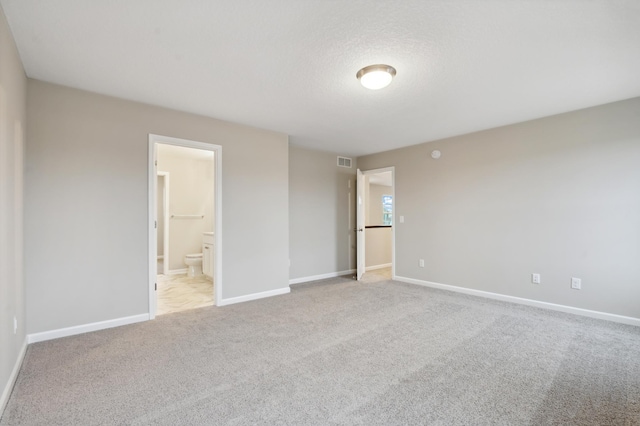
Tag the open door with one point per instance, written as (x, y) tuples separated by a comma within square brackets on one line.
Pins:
[(360, 224)]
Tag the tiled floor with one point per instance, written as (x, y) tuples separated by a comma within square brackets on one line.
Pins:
[(179, 293), (377, 275)]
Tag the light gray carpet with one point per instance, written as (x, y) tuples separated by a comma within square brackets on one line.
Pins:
[(339, 352)]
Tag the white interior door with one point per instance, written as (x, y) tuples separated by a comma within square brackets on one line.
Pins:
[(163, 219), (360, 224)]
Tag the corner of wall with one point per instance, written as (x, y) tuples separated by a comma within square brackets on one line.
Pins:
[(13, 100)]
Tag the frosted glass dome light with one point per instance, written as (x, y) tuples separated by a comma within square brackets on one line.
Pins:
[(376, 77)]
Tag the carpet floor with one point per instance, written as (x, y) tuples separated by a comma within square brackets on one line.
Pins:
[(339, 352)]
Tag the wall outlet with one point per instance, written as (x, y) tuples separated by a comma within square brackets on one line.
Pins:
[(422, 263), (15, 325), (535, 278), (576, 283), (401, 219)]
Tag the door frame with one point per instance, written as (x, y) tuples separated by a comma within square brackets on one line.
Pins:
[(391, 169), (154, 140), (361, 200), (165, 222)]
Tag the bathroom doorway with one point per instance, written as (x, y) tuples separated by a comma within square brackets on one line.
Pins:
[(184, 224)]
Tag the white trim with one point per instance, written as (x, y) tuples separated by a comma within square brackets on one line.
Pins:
[(177, 271), (528, 302), (152, 247), (6, 393), (254, 296), (85, 328), (321, 276), (361, 221), (381, 266)]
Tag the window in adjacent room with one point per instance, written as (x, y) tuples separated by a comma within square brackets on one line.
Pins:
[(387, 210)]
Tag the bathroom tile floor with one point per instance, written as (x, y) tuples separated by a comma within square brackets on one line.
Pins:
[(179, 293), (376, 275)]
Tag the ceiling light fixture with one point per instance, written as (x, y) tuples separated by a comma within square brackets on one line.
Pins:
[(376, 77)]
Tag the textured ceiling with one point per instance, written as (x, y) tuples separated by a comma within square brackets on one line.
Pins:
[(290, 65)]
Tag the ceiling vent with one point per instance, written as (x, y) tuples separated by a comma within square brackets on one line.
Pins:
[(344, 162)]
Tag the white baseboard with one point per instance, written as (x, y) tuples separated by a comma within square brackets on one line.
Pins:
[(321, 276), (254, 296), (529, 302), (85, 328), (177, 271), (6, 393), (374, 267)]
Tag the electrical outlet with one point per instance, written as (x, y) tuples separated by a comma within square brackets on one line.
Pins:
[(576, 283), (15, 325), (401, 219), (535, 278), (422, 263)]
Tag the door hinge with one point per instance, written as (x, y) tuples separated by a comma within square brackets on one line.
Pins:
[(155, 224), (155, 287), (155, 163)]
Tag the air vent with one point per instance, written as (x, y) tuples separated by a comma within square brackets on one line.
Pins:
[(344, 162)]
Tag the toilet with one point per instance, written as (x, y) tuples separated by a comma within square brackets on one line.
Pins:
[(194, 262)]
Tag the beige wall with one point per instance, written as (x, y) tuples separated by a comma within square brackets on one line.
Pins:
[(374, 203), (321, 212), (377, 240), (559, 196), (86, 204), (13, 85), (378, 246), (191, 189)]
